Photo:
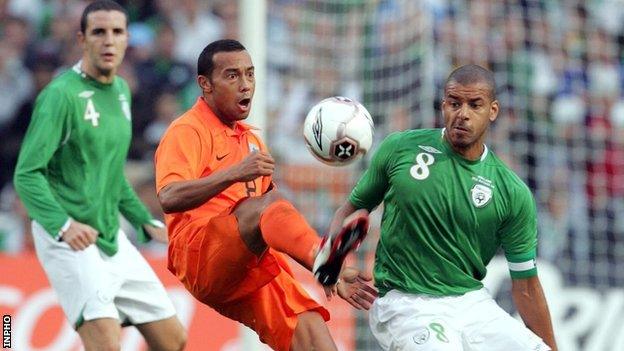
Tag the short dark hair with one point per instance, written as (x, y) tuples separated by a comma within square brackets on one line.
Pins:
[(205, 62), (473, 74), (100, 5)]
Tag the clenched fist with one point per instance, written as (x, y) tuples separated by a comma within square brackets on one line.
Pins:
[(256, 164), (79, 235)]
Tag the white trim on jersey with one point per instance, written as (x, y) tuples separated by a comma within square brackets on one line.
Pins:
[(485, 148), (77, 68), (63, 229), (521, 266), (485, 152)]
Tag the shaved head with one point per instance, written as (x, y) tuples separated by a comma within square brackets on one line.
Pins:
[(473, 74)]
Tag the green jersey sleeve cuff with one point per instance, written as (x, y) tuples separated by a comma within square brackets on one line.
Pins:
[(142, 235), (523, 274), (63, 229), (521, 257), (358, 204)]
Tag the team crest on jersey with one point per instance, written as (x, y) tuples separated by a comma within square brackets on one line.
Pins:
[(421, 336), (431, 149), (253, 147), (481, 195)]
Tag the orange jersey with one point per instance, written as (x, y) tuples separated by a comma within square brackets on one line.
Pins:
[(196, 145)]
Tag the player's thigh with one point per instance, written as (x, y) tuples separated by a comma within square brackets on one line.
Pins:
[(83, 284), (220, 266), (166, 334), (401, 323), (100, 334), (142, 297), (272, 311), (493, 329)]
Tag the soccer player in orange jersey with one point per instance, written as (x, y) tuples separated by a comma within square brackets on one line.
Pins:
[(228, 226)]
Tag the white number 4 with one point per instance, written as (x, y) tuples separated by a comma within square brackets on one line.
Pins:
[(91, 114)]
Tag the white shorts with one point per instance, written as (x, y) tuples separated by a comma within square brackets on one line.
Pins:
[(470, 322), (90, 284)]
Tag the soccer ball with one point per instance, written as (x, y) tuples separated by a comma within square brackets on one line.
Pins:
[(338, 131)]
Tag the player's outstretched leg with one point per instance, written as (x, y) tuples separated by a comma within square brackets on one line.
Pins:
[(334, 248), (270, 220)]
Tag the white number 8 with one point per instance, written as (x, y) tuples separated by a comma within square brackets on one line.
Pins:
[(420, 170)]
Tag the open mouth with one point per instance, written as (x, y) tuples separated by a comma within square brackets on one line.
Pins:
[(244, 104)]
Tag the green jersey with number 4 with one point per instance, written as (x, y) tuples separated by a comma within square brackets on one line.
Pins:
[(71, 163), (444, 216)]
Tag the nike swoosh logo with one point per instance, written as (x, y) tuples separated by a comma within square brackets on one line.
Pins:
[(219, 158)]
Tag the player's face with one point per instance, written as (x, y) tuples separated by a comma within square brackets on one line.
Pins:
[(232, 85), (104, 43), (468, 111)]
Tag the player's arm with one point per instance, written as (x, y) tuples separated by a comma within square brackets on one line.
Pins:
[(531, 303), (341, 213), (179, 161), (188, 194), (367, 194), (519, 241), (49, 127), (133, 209), (371, 187)]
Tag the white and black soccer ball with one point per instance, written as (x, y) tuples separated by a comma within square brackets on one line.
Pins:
[(338, 131)]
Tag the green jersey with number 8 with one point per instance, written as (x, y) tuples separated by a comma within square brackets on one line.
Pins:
[(444, 216)]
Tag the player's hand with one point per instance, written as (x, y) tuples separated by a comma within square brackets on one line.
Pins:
[(79, 235), (354, 287), (256, 164), (157, 233)]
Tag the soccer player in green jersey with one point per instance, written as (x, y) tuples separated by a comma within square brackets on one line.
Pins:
[(70, 177), (449, 204)]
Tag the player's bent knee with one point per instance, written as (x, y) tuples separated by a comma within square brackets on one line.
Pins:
[(248, 213), (174, 342), (164, 335), (178, 341), (272, 196), (311, 333), (108, 344), (254, 206)]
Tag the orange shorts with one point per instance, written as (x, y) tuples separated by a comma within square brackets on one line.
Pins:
[(219, 270)]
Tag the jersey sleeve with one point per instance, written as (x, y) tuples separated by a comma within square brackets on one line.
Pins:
[(371, 188), (178, 156), (519, 235), (49, 127), (134, 210), (126, 89)]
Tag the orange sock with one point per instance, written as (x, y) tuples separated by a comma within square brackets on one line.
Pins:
[(286, 230)]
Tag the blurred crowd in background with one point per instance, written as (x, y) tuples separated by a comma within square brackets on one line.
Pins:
[(558, 65)]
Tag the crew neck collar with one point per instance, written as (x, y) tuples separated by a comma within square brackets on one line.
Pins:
[(446, 143)]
